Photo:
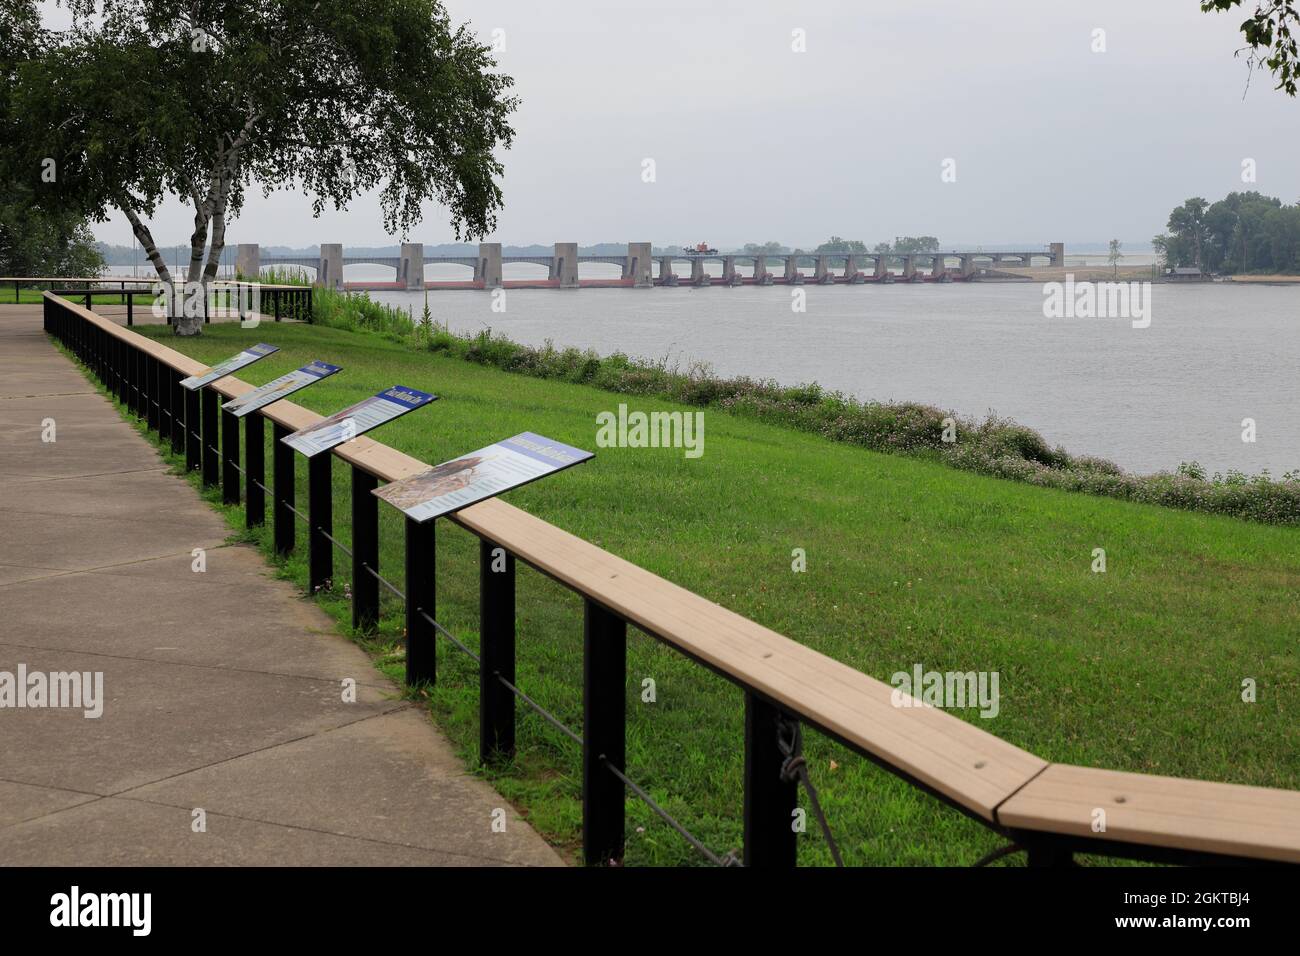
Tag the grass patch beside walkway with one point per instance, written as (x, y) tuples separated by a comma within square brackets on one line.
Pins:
[(909, 561)]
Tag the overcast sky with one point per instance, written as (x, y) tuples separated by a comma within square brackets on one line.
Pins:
[(753, 141)]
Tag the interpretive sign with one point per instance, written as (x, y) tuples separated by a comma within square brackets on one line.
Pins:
[(361, 417), (480, 474), (232, 364), (279, 388)]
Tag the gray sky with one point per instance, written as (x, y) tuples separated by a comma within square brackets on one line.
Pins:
[(753, 141)]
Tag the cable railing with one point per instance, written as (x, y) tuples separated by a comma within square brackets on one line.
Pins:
[(1049, 811)]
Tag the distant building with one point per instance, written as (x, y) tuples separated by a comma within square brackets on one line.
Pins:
[(1186, 273)]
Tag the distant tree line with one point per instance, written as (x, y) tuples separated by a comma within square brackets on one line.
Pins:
[(1243, 232)]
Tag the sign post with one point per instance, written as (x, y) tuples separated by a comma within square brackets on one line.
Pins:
[(254, 429), (439, 491), (315, 442)]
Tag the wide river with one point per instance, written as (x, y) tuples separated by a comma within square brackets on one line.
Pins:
[(1146, 398)]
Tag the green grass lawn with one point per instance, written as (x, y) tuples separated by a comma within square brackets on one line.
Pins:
[(27, 296), (908, 562)]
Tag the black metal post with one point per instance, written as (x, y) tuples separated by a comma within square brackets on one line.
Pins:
[(496, 607), (152, 406), (421, 599), (209, 440), (163, 390), (365, 550), (119, 369), (604, 715), (130, 310), (193, 437), (229, 458), (254, 470), (133, 381), (142, 384), (320, 517), (770, 802), (178, 410), (282, 456), (126, 363)]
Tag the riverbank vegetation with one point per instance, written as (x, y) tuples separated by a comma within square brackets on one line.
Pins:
[(993, 446), (1139, 668)]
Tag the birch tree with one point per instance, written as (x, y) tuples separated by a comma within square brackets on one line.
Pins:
[(148, 99)]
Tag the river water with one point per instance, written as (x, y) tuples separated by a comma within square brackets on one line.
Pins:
[(1146, 398)]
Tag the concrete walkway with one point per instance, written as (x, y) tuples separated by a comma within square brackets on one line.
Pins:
[(222, 691)]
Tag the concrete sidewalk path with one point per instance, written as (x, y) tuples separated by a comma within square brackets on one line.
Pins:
[(222, 690)]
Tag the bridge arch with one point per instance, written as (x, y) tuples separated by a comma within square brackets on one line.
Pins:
[(294, 267), (525, 268), (365, 269), (602, 268), (449, 269)]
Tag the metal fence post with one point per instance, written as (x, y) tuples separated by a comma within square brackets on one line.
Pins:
[(282, 456), (128, 377), (320, 518), (142, 384), (770, 801), (365, 550), (229, 458), (254, 470), (178, 410), (604, 715), (133, 381), (209, 439), (141, 388), (115, 367), (193, 437), (496, 605), (153, 408), (421, 596), (116, 353)]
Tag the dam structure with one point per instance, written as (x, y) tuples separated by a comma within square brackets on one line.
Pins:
[(642, 268)]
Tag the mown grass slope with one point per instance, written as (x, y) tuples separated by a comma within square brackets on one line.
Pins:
[(1139, 668)]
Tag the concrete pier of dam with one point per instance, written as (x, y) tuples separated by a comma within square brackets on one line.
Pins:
[(641, 268)]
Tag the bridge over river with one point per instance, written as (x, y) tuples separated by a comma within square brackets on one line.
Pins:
[(640, 267)]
